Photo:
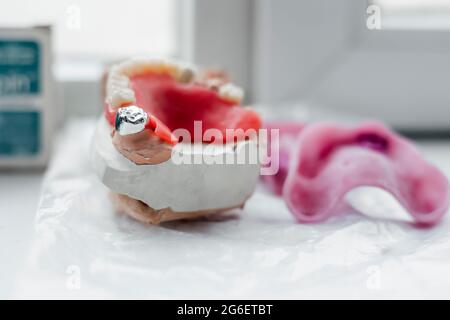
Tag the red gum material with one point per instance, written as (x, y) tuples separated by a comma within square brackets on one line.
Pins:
[(331, 160), (154, 125), (161, 130), (179, 105)]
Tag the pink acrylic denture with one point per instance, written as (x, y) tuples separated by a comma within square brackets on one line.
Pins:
[(288, 133), (330, 160)]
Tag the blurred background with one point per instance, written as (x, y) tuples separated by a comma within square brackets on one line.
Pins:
[(296, 59), (387, 59)]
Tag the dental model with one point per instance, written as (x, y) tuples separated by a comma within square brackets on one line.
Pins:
[(165, 143), (331, 160)]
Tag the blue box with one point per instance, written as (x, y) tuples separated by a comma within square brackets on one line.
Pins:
[(19, 67), (26, 96)]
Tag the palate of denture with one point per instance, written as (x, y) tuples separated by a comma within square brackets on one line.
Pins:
[(330, 160), (161, 90), (218, 80)]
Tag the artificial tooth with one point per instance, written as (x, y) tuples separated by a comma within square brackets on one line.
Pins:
[(118, 85), (231, 92), (186, 75), (121, 96)]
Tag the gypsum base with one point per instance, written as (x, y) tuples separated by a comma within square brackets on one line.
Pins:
[(184, 188)]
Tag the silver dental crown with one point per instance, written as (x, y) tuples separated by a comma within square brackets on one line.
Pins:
[(130, 120)]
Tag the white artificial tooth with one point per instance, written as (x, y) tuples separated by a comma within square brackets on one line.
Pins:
[(119, 97), (214, 84), (139, 66), (184, 72), (186, 75), (230, 91), (119, 78), (118, 84), (129, 67), (134, 66)]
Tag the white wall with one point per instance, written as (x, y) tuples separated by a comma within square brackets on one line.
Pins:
[(321, 52), (297, 41), (219, 34)]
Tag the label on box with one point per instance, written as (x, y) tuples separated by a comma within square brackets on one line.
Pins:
[(19, 67), (19, 133)]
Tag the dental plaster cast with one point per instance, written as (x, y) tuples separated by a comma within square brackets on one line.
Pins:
[(328, 160), (171, 143)]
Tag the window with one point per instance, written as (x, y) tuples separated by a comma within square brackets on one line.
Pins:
[(101, 28), (323, 54), (414, 14)]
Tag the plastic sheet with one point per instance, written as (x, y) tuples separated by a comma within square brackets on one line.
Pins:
[(83, 249)]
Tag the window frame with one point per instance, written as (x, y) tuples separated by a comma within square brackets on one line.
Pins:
[(413, 105)]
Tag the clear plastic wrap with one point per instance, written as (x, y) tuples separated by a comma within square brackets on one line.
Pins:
[(83, 249)]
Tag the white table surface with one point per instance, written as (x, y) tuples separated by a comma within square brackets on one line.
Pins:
[(19, 196)]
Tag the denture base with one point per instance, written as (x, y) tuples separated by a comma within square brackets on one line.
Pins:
[(178, 187), (142, 212)]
